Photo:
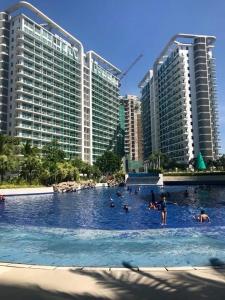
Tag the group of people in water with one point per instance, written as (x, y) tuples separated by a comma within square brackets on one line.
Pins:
[(119, 194), (161, 205), (125, 206)]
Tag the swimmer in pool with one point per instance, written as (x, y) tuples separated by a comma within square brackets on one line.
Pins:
[(152, 205), (186, 193), (202, 217), (125, 207)]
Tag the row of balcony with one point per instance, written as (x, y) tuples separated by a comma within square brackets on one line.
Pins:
[(63, 118), (42, 132)]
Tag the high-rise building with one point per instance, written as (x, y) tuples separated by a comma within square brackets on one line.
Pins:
[(179, 105), (50, 88), (133, 127)]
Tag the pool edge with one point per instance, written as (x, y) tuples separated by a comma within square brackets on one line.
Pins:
[(109, 268)]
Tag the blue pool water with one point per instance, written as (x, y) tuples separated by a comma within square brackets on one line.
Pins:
[(81, 229)]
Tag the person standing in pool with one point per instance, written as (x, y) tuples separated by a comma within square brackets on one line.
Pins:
[(162, 207)]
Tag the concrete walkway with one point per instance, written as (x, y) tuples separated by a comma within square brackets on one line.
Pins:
[(34, 191), (20, 282)]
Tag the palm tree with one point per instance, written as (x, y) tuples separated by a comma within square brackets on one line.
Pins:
[(157, 160), (27, 149), (152, 161), (161, 158), (31, 168), (9, 149)]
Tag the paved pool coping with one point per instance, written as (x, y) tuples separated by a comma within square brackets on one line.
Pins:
[(110, 268)]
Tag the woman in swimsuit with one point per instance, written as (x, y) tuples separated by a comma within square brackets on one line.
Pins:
[(162, 208)]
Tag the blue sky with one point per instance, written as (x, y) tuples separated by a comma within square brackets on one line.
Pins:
[(120, 30)]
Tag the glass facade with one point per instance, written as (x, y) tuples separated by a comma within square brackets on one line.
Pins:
[(179, 105), (105, 110), (45, 87), (172, 108), (51, 89), (146, 121), (4, 70)]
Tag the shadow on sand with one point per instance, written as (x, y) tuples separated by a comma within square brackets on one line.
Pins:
[(132, 283)]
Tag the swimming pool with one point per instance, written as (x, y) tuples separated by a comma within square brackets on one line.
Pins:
[(81, 229)]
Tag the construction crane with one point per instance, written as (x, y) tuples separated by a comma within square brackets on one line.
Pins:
[(130, 67)]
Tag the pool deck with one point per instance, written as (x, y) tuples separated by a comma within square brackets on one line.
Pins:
[(29, 282), (34, 191), (26, 191)]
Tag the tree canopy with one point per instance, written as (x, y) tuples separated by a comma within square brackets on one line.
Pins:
[(52, 152), (109, 163)]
